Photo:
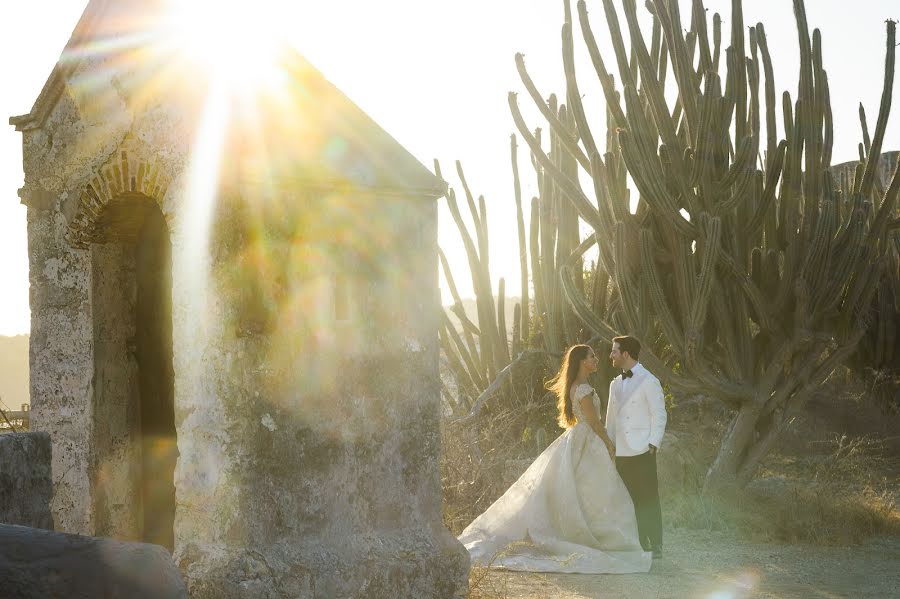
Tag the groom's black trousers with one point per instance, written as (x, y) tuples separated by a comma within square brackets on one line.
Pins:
[(639, 475)]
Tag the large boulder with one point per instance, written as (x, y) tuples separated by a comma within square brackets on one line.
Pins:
[(26, 486), (38, 563)]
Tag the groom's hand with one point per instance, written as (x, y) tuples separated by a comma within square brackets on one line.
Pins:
[(611, 449), (652, 449)]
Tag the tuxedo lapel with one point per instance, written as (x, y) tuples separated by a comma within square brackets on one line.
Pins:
[(625, 395), (617, 389)]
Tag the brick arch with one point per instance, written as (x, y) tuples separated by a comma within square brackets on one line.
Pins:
[(111, 208)]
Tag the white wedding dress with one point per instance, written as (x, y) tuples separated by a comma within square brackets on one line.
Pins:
[(569, 512)]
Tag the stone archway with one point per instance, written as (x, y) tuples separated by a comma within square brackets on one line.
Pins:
[(133, 451), (111, 207)]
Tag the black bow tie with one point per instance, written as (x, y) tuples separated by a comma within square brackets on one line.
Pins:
[(627, 375)]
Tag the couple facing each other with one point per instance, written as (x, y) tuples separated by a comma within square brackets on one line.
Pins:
[(589, 503)]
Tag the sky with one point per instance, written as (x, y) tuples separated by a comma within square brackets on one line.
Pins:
[(435, 75)]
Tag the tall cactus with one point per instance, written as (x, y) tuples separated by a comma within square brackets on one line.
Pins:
[(479, 355), (753, 275), (479, 351)]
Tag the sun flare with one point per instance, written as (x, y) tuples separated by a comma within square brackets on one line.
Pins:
[(236, 42)]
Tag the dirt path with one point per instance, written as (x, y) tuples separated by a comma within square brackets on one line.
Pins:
[(714, 566)]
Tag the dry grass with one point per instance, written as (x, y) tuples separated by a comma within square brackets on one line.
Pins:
[(475, 461), (834, 479), (814, 515), (475, 458), (486, 585)]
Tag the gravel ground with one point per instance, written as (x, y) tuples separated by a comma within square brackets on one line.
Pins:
[(711, 565)]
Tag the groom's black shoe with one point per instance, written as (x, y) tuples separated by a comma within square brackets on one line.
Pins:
[(657, 553)]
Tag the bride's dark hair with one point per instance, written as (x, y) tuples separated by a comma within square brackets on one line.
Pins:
[(561, 384)]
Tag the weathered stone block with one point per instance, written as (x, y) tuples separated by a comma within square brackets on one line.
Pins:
[(26, 486), (37, 563)]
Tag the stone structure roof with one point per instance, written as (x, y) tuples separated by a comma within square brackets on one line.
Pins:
[(89, 27), (355, 151)]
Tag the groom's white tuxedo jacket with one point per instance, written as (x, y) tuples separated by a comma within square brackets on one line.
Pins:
[(636, 413)]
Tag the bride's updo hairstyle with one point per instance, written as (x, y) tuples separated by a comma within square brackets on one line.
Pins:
[(561, 384)]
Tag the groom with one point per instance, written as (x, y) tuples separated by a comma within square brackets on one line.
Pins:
[(636, 421)]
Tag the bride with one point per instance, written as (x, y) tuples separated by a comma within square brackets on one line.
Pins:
[(569, 512)]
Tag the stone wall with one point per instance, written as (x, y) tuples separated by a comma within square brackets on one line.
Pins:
[(72, 281), (116, 452), (25, 483), (59, 159), (331, 457), (304, 357), (61, 357)]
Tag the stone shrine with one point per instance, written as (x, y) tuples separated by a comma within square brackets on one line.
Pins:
[(234, 339)]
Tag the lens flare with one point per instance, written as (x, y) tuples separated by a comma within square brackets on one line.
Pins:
[(742, 586), (236, 42)]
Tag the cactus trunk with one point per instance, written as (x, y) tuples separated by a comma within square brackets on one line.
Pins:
[(755, 277)]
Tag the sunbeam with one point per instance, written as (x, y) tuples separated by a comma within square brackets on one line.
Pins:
[(202, 185), (235, 42)]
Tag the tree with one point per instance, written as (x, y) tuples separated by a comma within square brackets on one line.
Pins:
[(749, 278)]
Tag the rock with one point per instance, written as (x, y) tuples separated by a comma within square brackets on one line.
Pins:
[(38, 563), (25, 483)]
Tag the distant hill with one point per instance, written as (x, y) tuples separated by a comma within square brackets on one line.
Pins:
[(471, 309), (14, 371)]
